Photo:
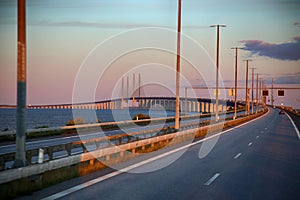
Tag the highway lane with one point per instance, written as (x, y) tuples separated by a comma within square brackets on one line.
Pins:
[(44, 142), (259, 160)]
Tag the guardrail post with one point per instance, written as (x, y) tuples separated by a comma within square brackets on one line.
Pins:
[(2, 163), (50, 153), (41, 156), (83, 148), (28, 156), (68, 149)]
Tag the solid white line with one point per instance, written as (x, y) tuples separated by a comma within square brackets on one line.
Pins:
[(212, 179), (294, 125), (126, 169), (250, 144), (237, 156)]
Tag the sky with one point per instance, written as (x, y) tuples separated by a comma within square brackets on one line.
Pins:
[(62, 33)]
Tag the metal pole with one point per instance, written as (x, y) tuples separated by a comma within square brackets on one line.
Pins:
[(252, 95), (260, 92), (178, 67), (217, 69), (20, 158), (256, 93), (235, 80), (122, 102), (272, 91), (247, 98), (185, 101)]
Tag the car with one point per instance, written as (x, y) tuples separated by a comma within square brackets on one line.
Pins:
[(281, 112)]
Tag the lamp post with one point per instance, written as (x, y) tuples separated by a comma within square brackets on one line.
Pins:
[(252, 94), (247, 97), (217, 68), (235, 79), (256, 93), (178, 67), (20, 159)]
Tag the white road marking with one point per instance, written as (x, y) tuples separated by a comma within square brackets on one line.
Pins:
[(237, 156), (126, 169), (212, 179), (261, 131), (294, 125), (257, 137), (250, 144)]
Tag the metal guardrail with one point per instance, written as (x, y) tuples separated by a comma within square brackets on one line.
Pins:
[(99, 143), (14, 174), (103, 125)]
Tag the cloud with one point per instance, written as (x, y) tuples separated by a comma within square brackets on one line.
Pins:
[(283, 51), (296, 24)]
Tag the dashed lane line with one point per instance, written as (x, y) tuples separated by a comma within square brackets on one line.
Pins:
[(237, 155), (212, 179)]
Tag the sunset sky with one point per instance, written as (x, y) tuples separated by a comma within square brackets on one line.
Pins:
[(61, 33)]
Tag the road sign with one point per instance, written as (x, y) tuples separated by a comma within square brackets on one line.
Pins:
[(216, 92), (231, 92), (280, 93), (265, 93)]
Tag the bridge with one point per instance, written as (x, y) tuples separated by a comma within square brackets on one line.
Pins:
[(200, 105)]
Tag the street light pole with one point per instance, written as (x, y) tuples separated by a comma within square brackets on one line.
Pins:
[(122, 101), (247, 97), (217, 68), (252, 95), (20, 159), (235, 80), (272, 93), (178, 67), (256, 93)]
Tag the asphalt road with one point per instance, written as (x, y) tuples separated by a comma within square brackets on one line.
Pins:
[(259, 160)]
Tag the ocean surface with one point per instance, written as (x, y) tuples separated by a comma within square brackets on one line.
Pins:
[(59, 117)]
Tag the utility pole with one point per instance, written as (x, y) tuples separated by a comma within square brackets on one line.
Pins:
[(252, 94), (235, 80), (185, 101), (178, 67), (247, 93), (256, 93), (122, 101), (20, 158), (260, 92), (272, 93), (217, 68)]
